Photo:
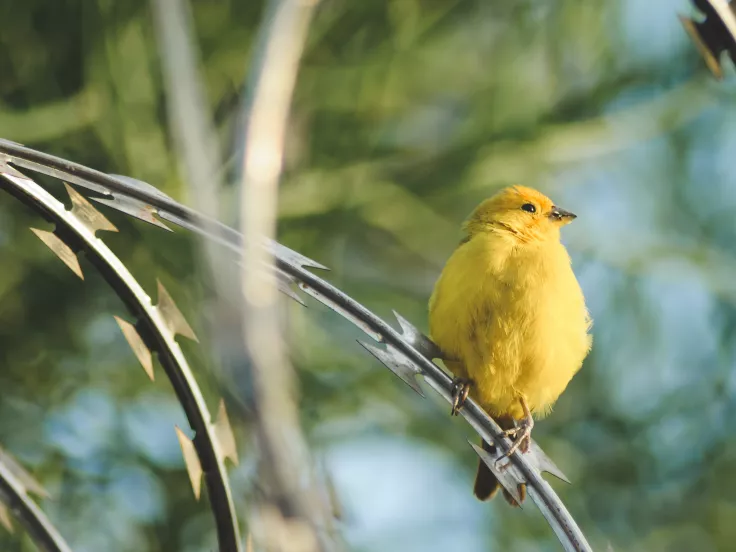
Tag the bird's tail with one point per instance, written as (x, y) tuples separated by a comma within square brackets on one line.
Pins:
[(486, 484)]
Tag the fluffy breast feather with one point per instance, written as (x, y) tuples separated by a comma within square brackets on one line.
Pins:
[(514, 317)]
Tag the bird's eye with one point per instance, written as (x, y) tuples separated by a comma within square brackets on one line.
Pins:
[(529, 207)]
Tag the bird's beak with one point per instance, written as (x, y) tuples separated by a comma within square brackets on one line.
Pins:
[(561, 216)]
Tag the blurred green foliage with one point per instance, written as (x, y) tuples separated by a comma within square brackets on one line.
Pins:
[(407, 113)]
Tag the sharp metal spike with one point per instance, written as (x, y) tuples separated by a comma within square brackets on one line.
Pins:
[(5, 518), (10, 172), (280, 279), (142, 352), (26, 479), (709, 54), (224, 434), (286, 290), (40, 167), (172, 315), (292, 257), (134, 208), (194, 468), (715, 34), (62, 250), (417, 339), (284, 282), (397, 363), (506, 477), (83, 210), (543, 463)]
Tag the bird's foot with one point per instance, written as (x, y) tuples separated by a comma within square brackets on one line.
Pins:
[(460, 389), (521, 435)]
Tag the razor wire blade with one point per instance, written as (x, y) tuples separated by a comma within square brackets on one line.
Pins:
[(715, 34)]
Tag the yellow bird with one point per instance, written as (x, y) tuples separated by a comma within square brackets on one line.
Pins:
[(509, 315)]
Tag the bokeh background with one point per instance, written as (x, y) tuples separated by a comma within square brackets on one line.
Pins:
[(407, 113)]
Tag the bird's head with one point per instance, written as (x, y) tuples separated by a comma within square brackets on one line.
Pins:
[(521, 212)]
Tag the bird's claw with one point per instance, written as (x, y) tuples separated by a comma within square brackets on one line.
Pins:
[(511, 432), (460, 389), (522, 438)]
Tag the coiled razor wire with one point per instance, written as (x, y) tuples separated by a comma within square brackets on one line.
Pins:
[(15, 486), (407, 353), (154, 331)]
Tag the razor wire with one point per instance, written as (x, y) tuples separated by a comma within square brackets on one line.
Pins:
[(715, 34), (407, 353), (154, 330), (15, 485)]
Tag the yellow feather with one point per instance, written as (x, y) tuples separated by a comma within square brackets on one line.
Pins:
[(508, 308)]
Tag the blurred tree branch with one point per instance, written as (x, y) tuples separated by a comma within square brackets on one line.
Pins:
[(294, 516)]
